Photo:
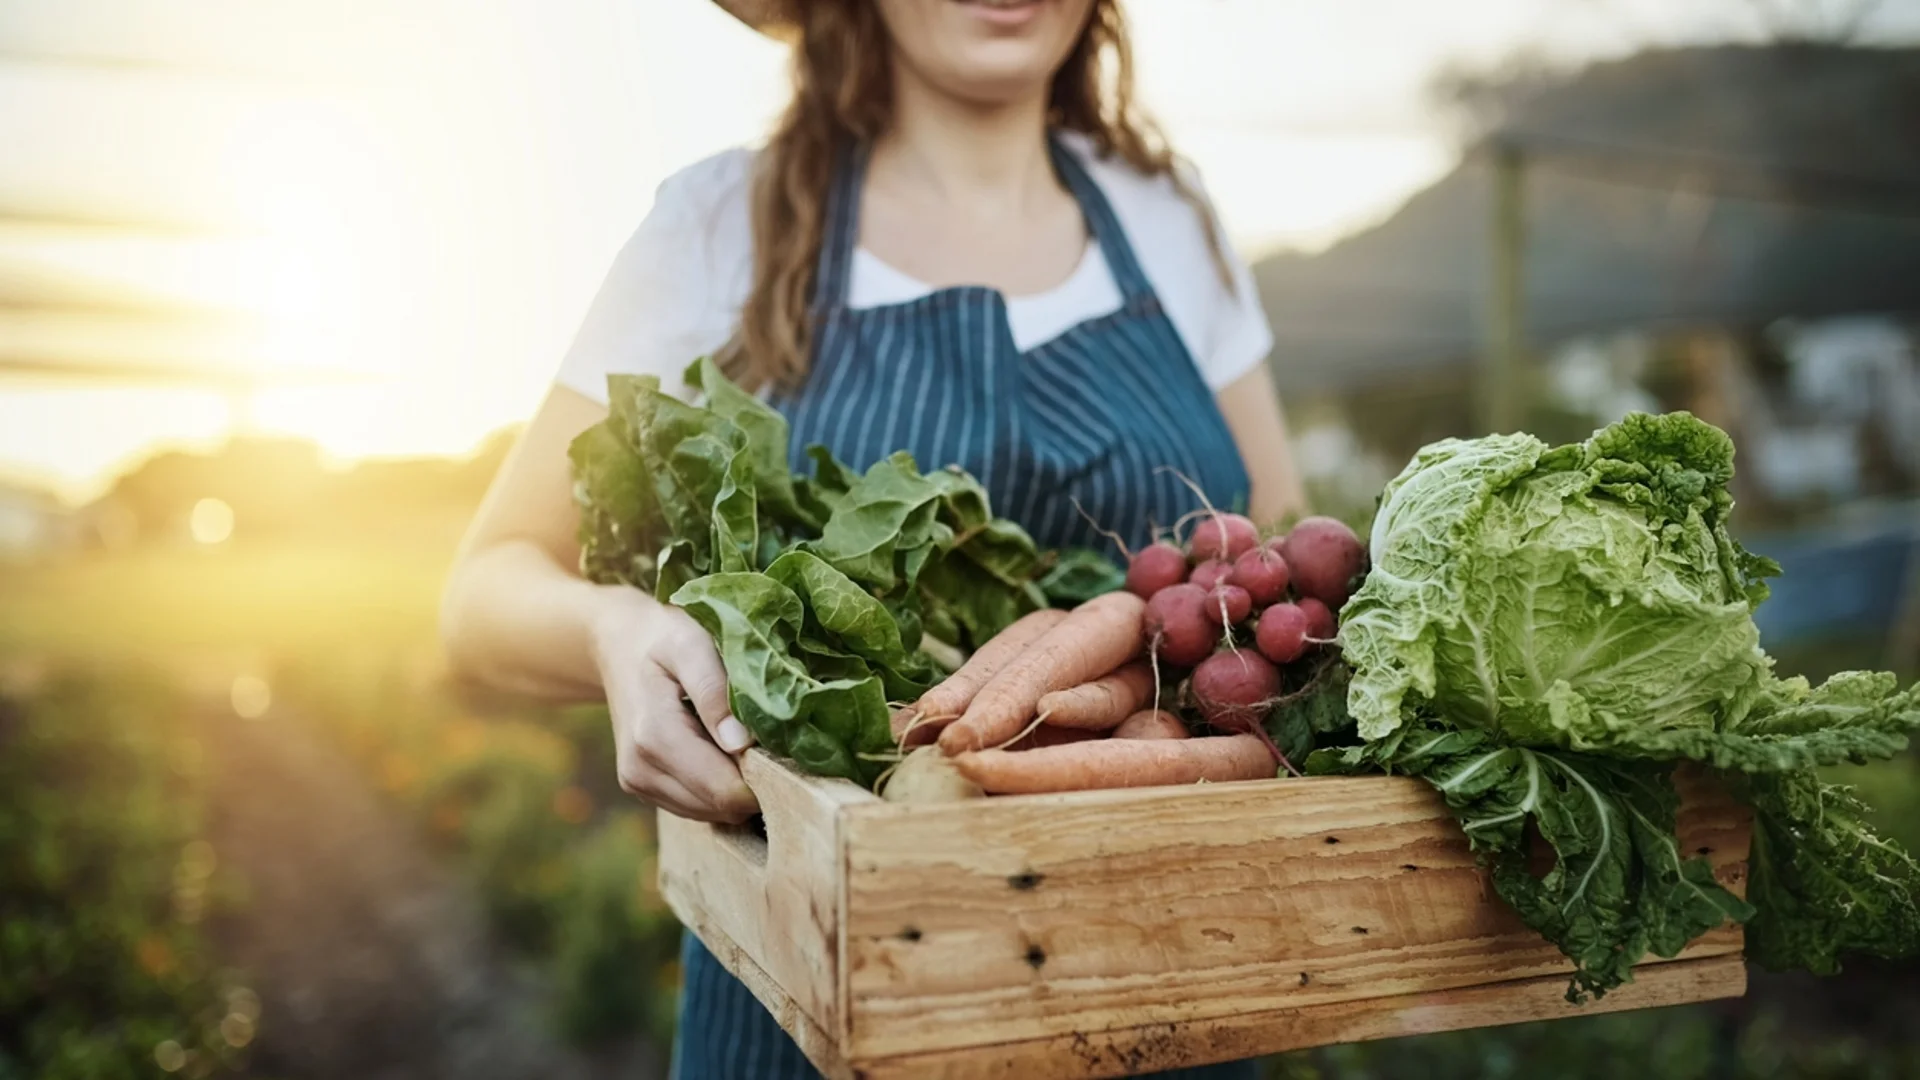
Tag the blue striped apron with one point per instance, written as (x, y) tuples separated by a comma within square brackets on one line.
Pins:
[(1104, 415)]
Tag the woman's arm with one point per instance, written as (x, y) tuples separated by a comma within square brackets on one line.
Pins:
[(517, 616), (1252, 410)]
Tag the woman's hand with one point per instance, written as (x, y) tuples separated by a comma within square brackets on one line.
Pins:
[(650, 655)]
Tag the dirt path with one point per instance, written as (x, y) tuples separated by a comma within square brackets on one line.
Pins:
[(371, 958)]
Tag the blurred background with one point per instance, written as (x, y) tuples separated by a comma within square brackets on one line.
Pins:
[(279, 277)]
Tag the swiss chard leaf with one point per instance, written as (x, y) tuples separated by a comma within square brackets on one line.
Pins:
[(846, 615), (1079, 575), (766, 436), (826, 726)]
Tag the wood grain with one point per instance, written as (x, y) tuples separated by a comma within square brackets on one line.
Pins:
[(1113, 932), (1153, 1047), (1023, 918), (776, 901)]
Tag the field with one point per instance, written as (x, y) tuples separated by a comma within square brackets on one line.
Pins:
[(253, 830)]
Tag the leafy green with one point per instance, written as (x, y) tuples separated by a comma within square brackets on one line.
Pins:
[(1619, 886), (815, 589), (1825, 884), (1545, 632), (1079, 575), (1545, 592)]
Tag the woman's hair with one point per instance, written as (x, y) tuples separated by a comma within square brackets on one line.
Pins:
[(842, 94)]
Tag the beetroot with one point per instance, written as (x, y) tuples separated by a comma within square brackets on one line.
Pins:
[(1210, 573), (1222, 536), (1177, 626), (1326, 559), (1320, 622), (1228, 604), (1234, 689), (1155, 567), (1263, 573), (1282, 632)]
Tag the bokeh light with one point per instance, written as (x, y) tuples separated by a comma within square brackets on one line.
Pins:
[(211, 521), (251, 697)]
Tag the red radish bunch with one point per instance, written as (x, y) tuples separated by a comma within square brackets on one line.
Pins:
[(1228, 588)]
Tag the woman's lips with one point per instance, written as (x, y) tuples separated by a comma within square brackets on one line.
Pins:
[(1004, 12)]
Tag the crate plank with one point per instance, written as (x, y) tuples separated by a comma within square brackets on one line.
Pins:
[(1153, 1047), (1025, 918), (777, 900), (1105, 933)]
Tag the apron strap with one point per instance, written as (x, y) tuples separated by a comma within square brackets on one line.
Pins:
[(842, 227), (1102, 223)]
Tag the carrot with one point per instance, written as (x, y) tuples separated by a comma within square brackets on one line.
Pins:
[(1092, 640), (1048, 735), (1102, 703), (1151, 724), (944, 703), (1116, 763)]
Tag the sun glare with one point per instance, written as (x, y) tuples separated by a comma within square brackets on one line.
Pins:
[(211, 521)]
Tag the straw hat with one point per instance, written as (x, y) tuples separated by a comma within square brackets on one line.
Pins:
[(774, 17)]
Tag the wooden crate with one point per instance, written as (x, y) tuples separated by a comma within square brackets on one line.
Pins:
[(1110, 933)]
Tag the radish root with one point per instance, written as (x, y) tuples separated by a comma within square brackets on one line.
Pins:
[(900, 743), (1106, 532), (1204, 501), (1030, 729)]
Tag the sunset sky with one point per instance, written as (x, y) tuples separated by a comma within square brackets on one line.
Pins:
[(379, 221)]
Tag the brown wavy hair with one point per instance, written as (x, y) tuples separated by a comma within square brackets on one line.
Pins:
[(843, 94)]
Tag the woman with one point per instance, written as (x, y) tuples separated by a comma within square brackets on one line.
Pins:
[(959, 241)]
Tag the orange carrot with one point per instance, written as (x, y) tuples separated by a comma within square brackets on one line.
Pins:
[(1117, 763), (1151, 724), (1102, 703), (1093, 639), (1048, 735), (944, 703)]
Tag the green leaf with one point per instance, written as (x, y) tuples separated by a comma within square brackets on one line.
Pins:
[(882, 532), (853, 620), (766, 442), (1826, 885), (978, 603), (618, 525), (1559, 595), (736, 517), (1079, 575), (823, 725), (1619, 886)]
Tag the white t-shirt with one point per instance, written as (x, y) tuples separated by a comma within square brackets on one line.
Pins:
[(675, 291)]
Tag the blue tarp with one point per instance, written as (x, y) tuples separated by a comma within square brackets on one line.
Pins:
[(1837, 580)]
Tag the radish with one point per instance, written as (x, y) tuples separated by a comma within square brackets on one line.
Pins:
[(1320, 622), (1222, 536), (1325, 558), (1178, 630), (1263, 573), (1155, 567), (1210, 573), (1228, 604), (1281, 634), (927, 776), (1235, 688)]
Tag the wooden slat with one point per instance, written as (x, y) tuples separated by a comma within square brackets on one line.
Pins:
[(1136, 1050), (1017, 919), (777, 901)]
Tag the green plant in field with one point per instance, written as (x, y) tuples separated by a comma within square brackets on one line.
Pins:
[(104, 882), (526, 802)]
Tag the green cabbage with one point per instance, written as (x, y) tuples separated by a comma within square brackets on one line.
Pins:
[(1558, 595), (1546, 633)]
